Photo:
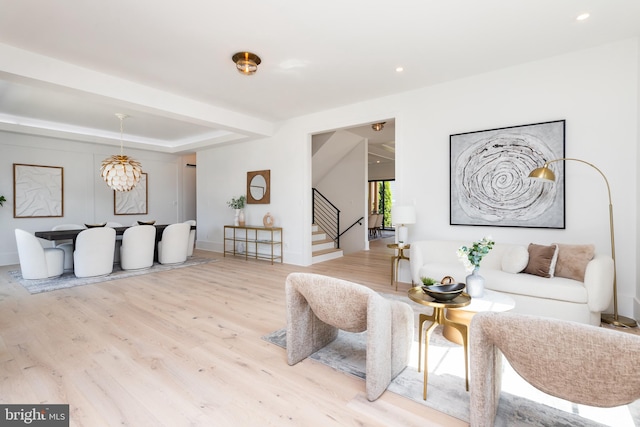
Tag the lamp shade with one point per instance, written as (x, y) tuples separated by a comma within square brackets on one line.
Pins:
[(403, 214), (543, 173)]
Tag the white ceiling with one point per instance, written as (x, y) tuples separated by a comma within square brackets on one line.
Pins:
[(67, 66)]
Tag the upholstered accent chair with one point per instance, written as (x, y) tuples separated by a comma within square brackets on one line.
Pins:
[(580, 363), (319, 306), (172, 249), (137, 248), (93, 255), (36, 261)]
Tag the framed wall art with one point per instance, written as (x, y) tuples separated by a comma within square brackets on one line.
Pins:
[(38, 191), (134, 201), (489, 182)]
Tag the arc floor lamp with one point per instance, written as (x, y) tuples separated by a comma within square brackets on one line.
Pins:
[(547, 174)]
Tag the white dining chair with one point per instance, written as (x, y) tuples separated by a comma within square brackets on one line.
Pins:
[(172, 248), (66, 245), (116, 251), (93, 255), (36, 261), (192, 237), (138, 246)]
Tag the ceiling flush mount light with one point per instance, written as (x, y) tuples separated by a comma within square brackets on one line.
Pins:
[(246, 62), (120, 172), (378, 126)]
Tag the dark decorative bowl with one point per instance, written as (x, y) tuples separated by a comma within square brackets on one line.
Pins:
[(102, 224), (146, 222), (444, 292)]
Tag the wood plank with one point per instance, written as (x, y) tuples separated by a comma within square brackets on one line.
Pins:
[(184, 347)]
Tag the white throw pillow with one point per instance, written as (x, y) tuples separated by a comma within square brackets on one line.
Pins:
[(515, 259)]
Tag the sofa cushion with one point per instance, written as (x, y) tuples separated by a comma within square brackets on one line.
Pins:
[(572, 260), (541, 260), (515, 259)]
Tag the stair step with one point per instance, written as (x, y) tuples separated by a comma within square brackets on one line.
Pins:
[(322, 245), (318, 236), (326, 255)]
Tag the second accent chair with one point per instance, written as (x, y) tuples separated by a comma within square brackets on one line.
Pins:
[(137, 247), (172, 248), (584, 364), (319, 306), (37, 262), (93, 255)]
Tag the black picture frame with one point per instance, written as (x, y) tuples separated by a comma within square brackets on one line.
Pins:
[(489, 169)]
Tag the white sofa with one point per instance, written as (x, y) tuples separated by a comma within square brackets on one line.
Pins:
[(555, 297)]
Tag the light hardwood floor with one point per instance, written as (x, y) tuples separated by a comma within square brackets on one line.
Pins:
[(184, 348)]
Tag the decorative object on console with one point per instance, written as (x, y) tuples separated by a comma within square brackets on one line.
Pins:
[(238, 205), (544, 173), (120, 172), (401, 216), (488, 181), (267, 220), (471, 257), (37, 191), (259, 187)]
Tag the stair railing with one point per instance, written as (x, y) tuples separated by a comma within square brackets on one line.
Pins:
[(326, 216)]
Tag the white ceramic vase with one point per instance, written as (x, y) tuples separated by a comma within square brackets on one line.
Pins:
[(236, 218), (475, 284)]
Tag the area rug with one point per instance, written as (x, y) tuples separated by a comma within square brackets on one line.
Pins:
[(520, 403), (69, 280)]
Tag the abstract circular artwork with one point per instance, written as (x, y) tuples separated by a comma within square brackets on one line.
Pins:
[(489, 177)]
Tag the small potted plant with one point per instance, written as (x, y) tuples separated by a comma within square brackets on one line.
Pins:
[(238, 205), (2, 200)]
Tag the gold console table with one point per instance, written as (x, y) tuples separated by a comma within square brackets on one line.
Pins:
[(253, 242)]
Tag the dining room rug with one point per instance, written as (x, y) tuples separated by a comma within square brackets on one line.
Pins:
[(520, 403), (69, 280)]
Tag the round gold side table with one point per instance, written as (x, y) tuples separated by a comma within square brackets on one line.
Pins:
[(439, 318)]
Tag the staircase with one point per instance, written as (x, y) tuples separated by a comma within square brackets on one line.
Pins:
[(323, 248)]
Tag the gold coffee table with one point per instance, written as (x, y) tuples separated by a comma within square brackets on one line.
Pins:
[(439, 318)]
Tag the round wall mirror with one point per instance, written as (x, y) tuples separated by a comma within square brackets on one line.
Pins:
[(258, 187)]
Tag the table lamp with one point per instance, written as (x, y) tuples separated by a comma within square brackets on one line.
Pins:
[(614, 319), (401, 216)]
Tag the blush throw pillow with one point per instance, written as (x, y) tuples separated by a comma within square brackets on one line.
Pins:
[(573, 260), (541, 260), (515, 259)]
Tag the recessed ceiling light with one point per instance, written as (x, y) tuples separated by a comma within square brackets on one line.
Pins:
[(399, 69), (582, 16)]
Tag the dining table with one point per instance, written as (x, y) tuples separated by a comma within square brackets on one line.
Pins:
[(72, 234)]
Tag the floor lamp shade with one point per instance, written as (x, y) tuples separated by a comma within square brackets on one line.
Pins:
[(401, 216)]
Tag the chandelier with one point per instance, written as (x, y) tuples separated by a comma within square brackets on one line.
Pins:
[(120, 172)]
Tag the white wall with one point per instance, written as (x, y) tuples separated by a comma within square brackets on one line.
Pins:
[(595, 91), (346, 187), (87, 199)]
